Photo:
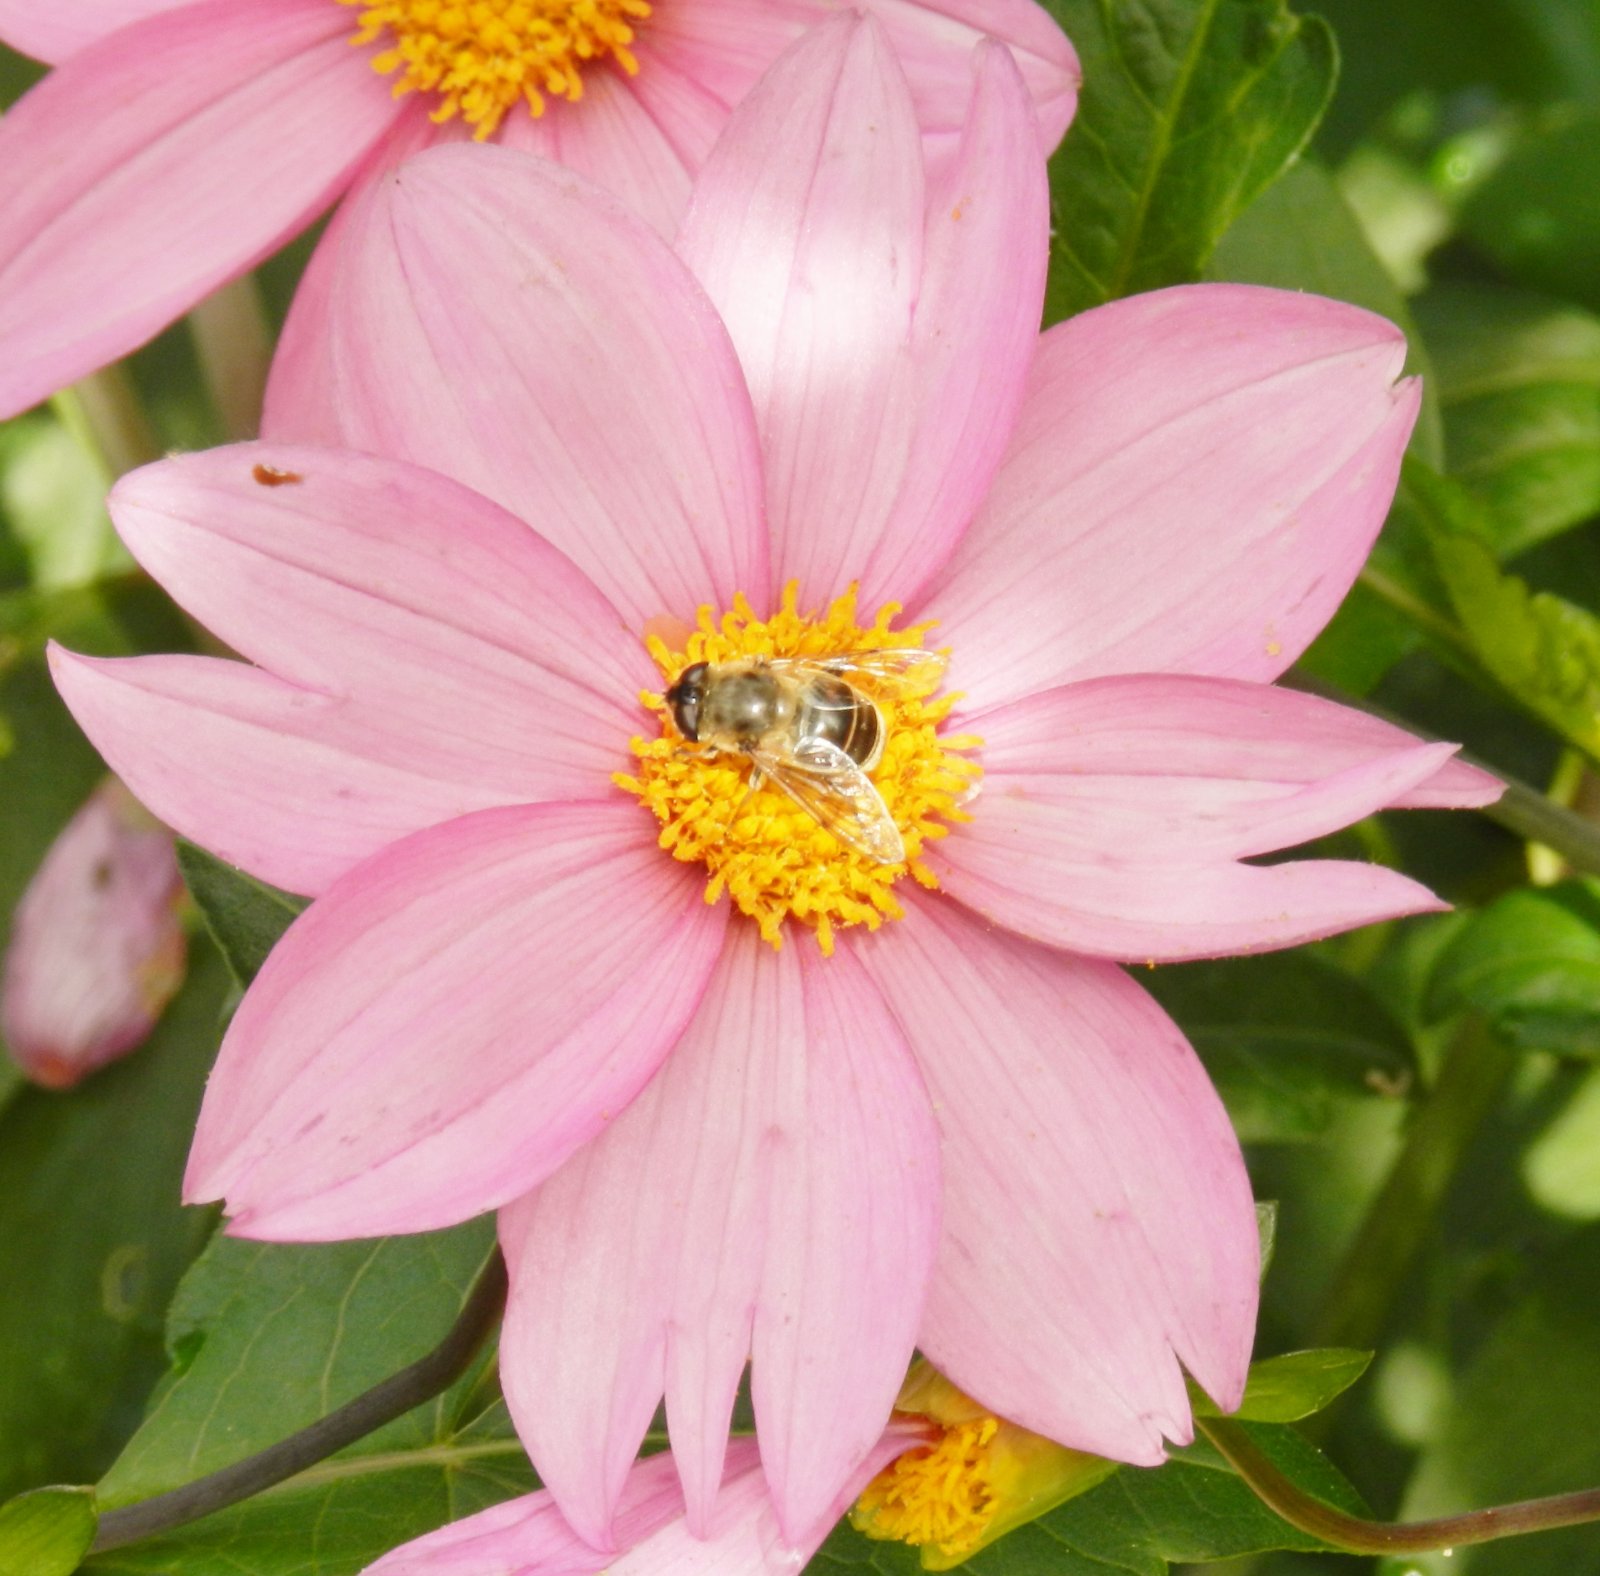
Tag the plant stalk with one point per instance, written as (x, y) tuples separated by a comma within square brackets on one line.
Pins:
[(1355, 1535), (234, 345)]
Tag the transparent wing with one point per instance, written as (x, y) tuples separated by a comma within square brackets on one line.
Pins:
[(892, 671), (837, 794)]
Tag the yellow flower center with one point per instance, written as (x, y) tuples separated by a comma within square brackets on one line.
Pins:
[(484, 57), (941, 1496), (775, 860)]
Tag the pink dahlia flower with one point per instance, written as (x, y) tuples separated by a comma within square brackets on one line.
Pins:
[(97, 947), (538, 972), (178, 142)]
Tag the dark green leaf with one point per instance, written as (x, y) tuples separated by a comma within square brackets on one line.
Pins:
[(94, 1241), (1188, 112), (1531, 962), (245, 915), (1538, 214), (267, 1338), (1522, 1424), (1519, 377), (1193, 1509), (1285, 1389), (47, 1532), (1287, 1038), (337, 1518)]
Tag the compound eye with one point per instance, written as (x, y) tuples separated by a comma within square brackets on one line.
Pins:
[(684, 699)]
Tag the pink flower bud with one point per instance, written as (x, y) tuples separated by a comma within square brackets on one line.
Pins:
[(97, 948)]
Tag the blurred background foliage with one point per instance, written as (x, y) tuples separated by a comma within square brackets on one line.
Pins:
[(1422, 1100)]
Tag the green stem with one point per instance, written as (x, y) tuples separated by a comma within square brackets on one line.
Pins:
[(393, 1398), (1364, 1287), (1355, 1535), (102, 411), (1521, 809), (234, 345)]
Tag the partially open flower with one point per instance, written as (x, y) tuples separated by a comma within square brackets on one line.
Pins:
[(97, 945), (177, 142), (523, 984)]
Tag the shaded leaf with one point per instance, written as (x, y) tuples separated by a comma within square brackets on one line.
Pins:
[(1542, 650), (1188, 111), (245, 916), (266, 1338), (1531, 962), (1522, 1424), (1287, 1039), (94, 1239), (47, 1532), (1538, 214), (1519, 377)]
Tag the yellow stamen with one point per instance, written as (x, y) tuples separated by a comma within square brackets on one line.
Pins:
[(941, 1496), (484, 57), (772, 859), (978, 1478)]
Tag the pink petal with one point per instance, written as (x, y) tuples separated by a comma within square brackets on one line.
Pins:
[(427, 655), (499, 320), (53, 29), (1098, 1225), (728, 45), (972, 344), (234, 124), (1112, 814), (807, 231), (773, 1193), (450, 1022), (931, 38), (527, 1536), (611, 136), (1195, 480), (97, 947)]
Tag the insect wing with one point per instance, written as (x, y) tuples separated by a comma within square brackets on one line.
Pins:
[(837, 794), (893, 671)]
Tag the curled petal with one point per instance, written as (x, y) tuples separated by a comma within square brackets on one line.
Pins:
[(97, 947), (773, 1194), (236, 122), (1195, 480), (450, 1021), (1098, 1223)]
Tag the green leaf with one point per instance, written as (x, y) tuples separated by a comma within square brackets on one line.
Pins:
[(1288, 1040), (1538, 214), (1195, 1508), (1285, 1389), (1188, 111), (337, 1518), (1519, 377), (95, 1240), (245, 916), (47, 1532), (267, 1338), (1531, 962), (1543, 651), (52, 500), (1521, 1423)]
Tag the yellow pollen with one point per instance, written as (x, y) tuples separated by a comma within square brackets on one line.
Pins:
[(941, 1496), (774, 861), (484, 57)]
